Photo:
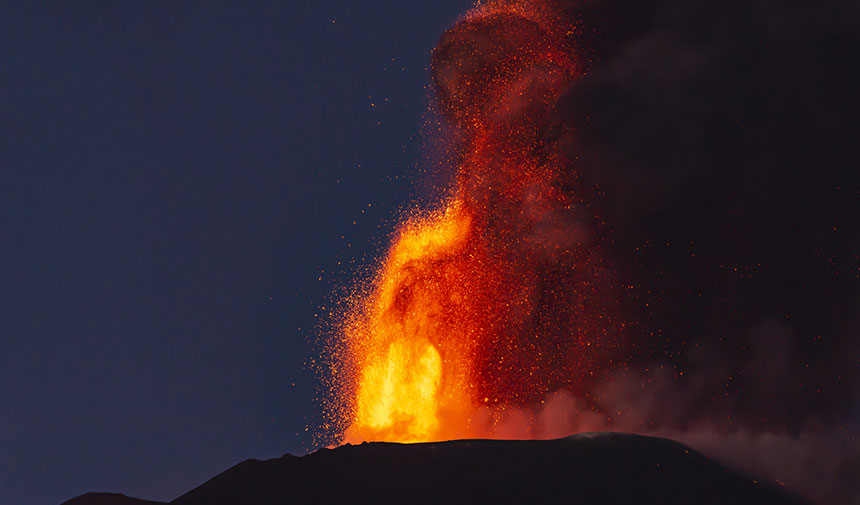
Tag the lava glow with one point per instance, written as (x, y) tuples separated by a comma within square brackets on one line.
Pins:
[(413, 362), (501, 296)]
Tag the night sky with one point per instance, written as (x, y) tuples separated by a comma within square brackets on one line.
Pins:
[(181, 187)]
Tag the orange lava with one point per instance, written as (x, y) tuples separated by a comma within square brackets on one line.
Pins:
[(499, 297), (414, 337)]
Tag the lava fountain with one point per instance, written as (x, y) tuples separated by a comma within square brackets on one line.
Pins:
[(500, 295)]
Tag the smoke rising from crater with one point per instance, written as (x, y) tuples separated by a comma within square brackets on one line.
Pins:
[(653, 226)]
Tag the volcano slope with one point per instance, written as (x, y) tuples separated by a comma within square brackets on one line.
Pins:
[(108, 499), (605, 468)]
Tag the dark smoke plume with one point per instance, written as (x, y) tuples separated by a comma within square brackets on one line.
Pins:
[(719, 143), (711, 154)]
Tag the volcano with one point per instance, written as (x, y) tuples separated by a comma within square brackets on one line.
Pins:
[(607, 468)]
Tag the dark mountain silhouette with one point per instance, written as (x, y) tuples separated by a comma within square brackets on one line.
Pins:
[(109, 499), (605, 468)]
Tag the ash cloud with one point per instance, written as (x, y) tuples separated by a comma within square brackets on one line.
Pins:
[(718, 141), (817, 458), (676, 224), (716, 144)]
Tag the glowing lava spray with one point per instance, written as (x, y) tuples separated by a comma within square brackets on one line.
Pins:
[(501, 295)]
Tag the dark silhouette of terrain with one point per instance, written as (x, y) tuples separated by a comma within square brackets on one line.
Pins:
[(109, 499), (590, 468)]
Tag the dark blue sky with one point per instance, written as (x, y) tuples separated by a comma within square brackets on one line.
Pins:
[(175, 177)]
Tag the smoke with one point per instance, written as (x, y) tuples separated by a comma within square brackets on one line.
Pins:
[(818, 460), (701, 409), (717, 140), (710, 158), (657, 229)]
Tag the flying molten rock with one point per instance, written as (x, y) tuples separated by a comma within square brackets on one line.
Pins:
[(500, 295)]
